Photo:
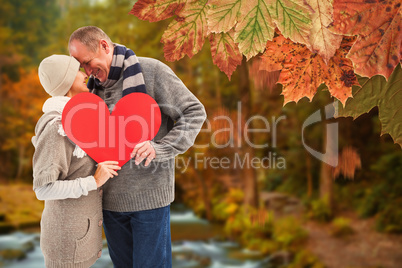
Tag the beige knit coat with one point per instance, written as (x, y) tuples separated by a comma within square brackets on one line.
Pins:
[(71, 229)]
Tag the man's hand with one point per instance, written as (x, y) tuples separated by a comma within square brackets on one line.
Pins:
[(105, 171), (143, 150)]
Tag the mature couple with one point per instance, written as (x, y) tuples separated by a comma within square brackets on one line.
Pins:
[(133, 204)]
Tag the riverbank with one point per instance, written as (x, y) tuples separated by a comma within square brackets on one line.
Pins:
[(19, 208), (198, 249), (199, 242), (365, 247)]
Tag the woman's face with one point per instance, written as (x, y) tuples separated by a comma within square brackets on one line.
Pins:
[(79, 85)]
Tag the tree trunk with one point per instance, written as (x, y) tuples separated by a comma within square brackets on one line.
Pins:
[(1, 87), (309, 177), (218, 88), (21, 153), (249, 174), (205, 193), (326, 179)]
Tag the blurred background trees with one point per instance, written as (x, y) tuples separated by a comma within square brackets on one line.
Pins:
[(33, 30)]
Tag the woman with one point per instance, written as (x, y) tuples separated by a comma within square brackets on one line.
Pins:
[(64, 176)]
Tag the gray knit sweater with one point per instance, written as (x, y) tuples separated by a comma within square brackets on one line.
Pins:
[(141, 188), (71, 229)]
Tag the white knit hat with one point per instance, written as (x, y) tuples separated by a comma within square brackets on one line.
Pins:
[(57, 74)]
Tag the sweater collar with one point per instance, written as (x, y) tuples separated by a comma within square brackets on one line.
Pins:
[(55, 104)]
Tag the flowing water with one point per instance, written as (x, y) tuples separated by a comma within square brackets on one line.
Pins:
[(195, 244)]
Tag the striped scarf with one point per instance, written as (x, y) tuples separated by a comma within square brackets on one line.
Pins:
[(126, 60)]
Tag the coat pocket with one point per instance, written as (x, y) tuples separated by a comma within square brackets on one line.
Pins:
[(89, 245)]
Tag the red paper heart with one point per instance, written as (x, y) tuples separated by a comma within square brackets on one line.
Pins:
[(103, 136)]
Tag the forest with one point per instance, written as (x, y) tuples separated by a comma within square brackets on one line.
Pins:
[(300, 156)]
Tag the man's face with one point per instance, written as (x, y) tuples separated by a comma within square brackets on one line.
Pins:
[(95, 63)]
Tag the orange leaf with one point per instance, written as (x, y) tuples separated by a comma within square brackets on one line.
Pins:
[(225, 52), (321, 39), (302, 75), (302, 71), (275, 53), (378, 24), (186, 35), (341, 76), (152, 10), (349, 162)]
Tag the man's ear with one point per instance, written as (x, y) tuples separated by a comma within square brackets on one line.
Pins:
[(104, 45)]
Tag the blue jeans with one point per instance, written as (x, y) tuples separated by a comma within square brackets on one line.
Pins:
[(139, 239)]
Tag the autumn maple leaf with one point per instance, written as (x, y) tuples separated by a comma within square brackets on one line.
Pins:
[(293, 19), (224, 14), (340, 76), (386, 95), (255, 28), (225, 52), (259, 20), (322, 41), (186, 35), (303, 71), (152, 10), (378, 25)]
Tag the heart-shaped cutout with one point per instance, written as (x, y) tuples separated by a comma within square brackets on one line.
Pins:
[(103, 136)]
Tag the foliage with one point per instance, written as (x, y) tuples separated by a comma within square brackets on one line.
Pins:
[(302, 71), (378, 26), (389, 188), (318, 24), (372, 202), (389, 220), (288, 232), (340, 227), (265, 234), (26, 28), (272, 181), (12, 254), (224, 52), (250, 226), (228, 206), (321, 39), (305, 259), (386, 95), (19, 205), (319, 210), (389, 201), (302, 39), (265, 246), (31, 31), (23, 108), (376, 193)]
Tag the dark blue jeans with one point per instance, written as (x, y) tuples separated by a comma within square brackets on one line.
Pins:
[(139, 239)]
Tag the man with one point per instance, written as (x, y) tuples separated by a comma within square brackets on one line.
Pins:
[(136, 205)]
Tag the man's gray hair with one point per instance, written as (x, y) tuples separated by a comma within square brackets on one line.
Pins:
[(90, 37)]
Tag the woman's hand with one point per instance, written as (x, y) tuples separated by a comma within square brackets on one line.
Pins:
[(105, 171)]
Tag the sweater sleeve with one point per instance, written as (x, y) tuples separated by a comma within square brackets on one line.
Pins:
[(66, 189), (180, 104), (52, 156)]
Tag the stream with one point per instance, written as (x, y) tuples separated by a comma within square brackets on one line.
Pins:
[(195, 244)]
